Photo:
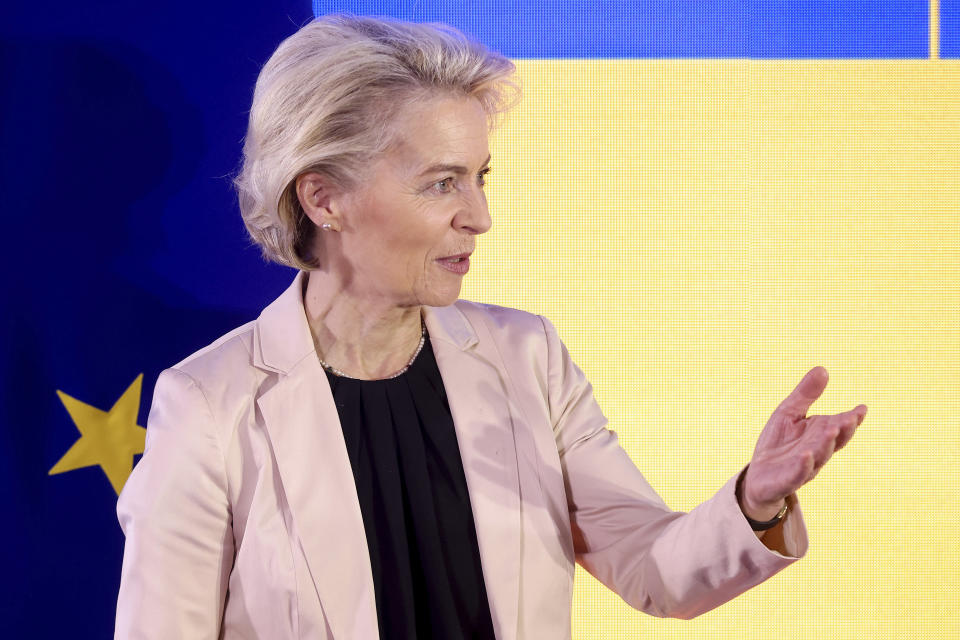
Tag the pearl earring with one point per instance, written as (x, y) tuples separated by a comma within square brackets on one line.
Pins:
[(326, 226)]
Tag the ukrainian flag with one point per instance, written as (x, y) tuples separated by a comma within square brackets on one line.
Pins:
[(711, 197)]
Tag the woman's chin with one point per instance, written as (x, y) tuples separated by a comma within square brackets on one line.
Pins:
[(441, 297)]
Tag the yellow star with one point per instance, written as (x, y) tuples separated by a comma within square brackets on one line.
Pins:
[(107, 438)]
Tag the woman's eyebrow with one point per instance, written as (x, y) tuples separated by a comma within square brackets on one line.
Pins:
[(458, 169)]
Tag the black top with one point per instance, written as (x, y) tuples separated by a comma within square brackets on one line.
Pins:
[(416, 510)]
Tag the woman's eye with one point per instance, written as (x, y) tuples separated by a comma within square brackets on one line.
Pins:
[(482, 177), (448, 185), (444, 186)]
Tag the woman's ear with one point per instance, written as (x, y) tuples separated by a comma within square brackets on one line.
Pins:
[(318, 194)]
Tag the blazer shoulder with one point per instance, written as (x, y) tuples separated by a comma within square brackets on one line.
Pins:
[(522, 339), (224, 369), (503, 320), (228, 350)]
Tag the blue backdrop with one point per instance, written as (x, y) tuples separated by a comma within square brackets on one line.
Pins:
[(121, 125)]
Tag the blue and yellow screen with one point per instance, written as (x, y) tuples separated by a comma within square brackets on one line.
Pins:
[(710, 198), (707, 198)]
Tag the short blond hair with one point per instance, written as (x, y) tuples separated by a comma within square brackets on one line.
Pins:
[(326, 101)]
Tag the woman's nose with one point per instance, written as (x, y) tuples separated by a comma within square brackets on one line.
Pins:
[(474, 215)]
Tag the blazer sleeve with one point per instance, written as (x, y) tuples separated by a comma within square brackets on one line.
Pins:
[(176, 517), (666, 563)]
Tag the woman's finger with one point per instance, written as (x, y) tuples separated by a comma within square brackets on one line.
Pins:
[(813, 471), (803, 470), (851, 420), (824, 443), (796, 405), (808, 470), (792, 476), (769, 481)]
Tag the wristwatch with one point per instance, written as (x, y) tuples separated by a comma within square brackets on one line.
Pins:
[(758, 525)]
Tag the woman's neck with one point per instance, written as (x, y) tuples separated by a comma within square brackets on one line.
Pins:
[(362, 336)]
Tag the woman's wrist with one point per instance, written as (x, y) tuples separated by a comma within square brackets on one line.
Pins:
[(760, 516)]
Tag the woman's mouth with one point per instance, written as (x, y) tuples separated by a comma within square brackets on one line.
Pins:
[(458, 264)]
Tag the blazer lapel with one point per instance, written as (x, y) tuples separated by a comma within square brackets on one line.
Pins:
[(304, 429), (483, 415)]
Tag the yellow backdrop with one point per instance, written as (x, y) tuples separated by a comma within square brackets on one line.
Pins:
[(704, 232)]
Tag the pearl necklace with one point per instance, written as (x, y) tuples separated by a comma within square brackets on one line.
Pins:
[(423, 339)]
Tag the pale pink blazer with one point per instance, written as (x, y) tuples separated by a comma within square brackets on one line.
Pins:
[(242, 519)]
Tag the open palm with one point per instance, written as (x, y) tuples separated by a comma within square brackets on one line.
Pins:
[(793, 447)]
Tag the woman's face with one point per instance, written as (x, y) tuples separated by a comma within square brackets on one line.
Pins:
[(409, 228)]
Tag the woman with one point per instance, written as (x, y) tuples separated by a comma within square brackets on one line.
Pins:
[(373, 457)]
